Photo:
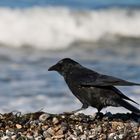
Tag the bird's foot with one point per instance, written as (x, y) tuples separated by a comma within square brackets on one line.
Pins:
[(98, 115)]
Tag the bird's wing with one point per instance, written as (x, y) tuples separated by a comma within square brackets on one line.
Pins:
[(122, 95), (128, 106), (90, 79), (110, 80)]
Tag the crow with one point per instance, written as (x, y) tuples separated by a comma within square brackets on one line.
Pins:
[(92, 88)]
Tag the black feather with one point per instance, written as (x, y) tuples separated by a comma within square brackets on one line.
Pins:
[(92, 88)]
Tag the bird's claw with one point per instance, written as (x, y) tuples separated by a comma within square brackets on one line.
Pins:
[(98, 115)]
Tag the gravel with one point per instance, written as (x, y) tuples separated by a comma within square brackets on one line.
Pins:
[(45, 126)]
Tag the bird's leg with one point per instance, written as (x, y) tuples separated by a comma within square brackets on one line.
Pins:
[(84, 106), (99, 114), (99, 109)]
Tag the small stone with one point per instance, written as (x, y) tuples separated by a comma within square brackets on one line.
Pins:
[(63, 116), (98, 129), (46, 134), (13, 137), (111, 136), (72, 116), (103, 137), (48, 139), (117, 125), (92, 136), (121, 136), (116, 137), (83, 137), (18, 126), (39, 138), (45, 127), (56, 128), (36, 133), (50, 131), (55, 120), (77, 132), (72, 137), (44, 117), (58, 137), (139, 129), (64, 124), (20, 137), (9, 133), (134, 124), (30, 136), (5, 138), (136, 137), (59, 132), (1, 133), (80, 128)]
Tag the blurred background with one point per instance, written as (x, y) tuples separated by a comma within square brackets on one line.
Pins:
[(103, 35)]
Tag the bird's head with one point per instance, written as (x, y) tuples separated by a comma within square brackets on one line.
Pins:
[(63, 66)]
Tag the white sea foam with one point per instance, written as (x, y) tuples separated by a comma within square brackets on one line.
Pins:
[(58, 27), (63, 104)]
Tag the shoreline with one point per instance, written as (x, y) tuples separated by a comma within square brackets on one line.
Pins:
[(45, 126)]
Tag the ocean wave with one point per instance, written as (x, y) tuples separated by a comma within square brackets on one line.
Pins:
[(59, 27)]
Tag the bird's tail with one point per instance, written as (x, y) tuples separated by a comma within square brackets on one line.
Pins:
[(129, 106)]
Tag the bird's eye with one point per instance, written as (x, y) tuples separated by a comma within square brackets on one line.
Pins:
[(60, 62)]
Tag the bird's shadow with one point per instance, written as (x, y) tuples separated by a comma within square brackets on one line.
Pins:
[(110, 117), (123, 116)]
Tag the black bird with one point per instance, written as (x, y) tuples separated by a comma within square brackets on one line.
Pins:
[(92, 88)]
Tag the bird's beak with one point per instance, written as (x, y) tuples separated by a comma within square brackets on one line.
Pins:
[(54, 67)]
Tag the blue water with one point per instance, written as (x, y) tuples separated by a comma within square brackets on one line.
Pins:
[(88, 4)]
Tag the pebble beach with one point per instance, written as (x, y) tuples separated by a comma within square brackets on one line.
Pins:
[(103, 35), (45, 126)]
